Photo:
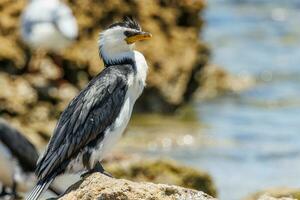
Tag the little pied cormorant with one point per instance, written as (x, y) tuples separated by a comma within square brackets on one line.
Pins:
[(95, 119), (48, 25), (18, 159)]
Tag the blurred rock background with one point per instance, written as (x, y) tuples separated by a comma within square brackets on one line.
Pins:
[(34, 91)]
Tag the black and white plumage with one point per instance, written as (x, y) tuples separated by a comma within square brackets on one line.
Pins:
[(95, 119), (48, 25), (17, 159)]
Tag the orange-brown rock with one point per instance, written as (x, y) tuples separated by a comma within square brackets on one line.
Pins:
[(175, 55)]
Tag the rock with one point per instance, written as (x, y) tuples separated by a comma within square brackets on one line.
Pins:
[(101, 187), (175, 50), (175, 55), (163, 171), (16, 94), (216, 81), (267, 197), (276, 193)]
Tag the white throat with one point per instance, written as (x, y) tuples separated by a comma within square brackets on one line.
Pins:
[(114, 50), (112, 46)]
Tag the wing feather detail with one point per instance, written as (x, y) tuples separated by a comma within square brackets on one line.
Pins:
[(86, 118)]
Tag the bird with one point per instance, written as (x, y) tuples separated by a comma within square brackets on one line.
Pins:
[(18, 157), (49, 25), (95, 119)]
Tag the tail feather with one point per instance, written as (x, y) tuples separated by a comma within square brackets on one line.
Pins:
[(39, 189)]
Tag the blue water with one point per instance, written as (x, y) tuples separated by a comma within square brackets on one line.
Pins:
[(258, 131)]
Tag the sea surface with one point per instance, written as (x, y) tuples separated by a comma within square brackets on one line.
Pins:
[(248, 141), (260, 128)]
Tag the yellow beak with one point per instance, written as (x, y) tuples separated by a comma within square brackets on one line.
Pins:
[(138, 37)]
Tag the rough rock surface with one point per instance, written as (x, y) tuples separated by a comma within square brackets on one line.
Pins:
[(163, 171), (31, 85), (101, 187), (276, 193)]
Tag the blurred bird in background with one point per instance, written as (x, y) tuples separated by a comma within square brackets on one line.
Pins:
[(18, 159), (48, 26), (95, 119)]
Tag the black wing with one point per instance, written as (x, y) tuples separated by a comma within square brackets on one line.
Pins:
[(85, 119), (20, 147)]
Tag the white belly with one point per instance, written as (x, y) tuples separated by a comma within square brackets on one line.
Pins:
[(46, 36), (113, 134), (6, 166)]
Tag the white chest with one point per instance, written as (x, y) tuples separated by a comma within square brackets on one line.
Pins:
[(136, 84), (114, 133)]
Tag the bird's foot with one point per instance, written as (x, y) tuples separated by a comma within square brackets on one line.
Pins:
[(14, 194), (107, 174), (15, 197), (3, 192), (98, 168), (85, 174)]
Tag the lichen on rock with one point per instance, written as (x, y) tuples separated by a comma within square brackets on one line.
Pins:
[(163, 171)]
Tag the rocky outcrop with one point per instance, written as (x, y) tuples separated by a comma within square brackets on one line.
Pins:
[(215, 81), (34, 89), (276, 193), (101, 187), (267, 197), (163, 171)]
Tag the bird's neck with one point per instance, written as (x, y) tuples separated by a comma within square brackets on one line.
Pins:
[(134, 58), (118, 58)]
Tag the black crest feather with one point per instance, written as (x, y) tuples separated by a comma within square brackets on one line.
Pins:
[(128, 22)]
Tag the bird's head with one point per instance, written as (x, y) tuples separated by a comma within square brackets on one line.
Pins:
[(119, 38)]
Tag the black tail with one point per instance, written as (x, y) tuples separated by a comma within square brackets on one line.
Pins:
[(40, 187)]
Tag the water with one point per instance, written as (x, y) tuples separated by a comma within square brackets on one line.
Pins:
[(258, 130), (249, 141)]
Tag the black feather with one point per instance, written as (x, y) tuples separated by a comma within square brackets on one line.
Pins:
[(21, 148), (84, 121), (128, 22)]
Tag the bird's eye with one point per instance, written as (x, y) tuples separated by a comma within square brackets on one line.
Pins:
[(130, 33)]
